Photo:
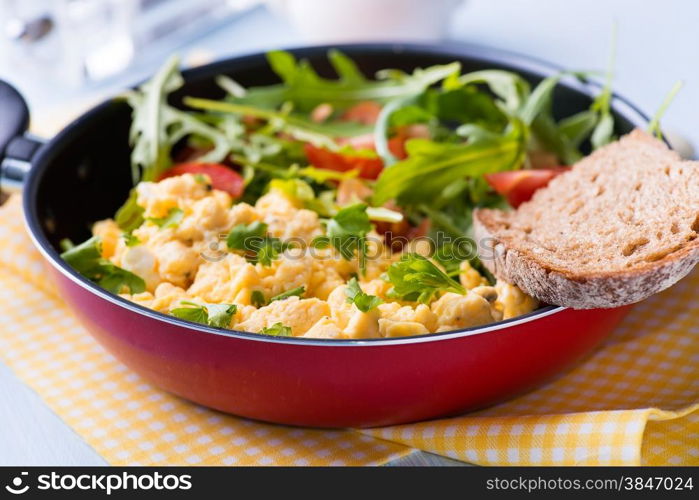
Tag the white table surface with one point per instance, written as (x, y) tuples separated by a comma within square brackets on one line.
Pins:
[(658, 44)]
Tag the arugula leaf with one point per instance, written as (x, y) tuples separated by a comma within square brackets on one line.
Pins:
[(464, 105), (415, 278), (299, 127), (130, 215), (86, 258), (356, 296), (230, 85), (156, 126), (603, 133), (257, 298), (303, 87), (576, 128), (294, 292), (509, 87), (382, 125), (538, 112), (347, 231), (654, 125), (218, 315), (253, 240), (440, 109), (383, 214), (172, 218), (277, 330), (431, 167)]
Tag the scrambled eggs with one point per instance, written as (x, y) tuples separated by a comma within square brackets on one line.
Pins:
[(189, 261)]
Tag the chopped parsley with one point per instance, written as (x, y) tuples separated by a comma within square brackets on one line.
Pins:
[(130, 215), (356, 296), (253, 240), (257, 298), (277, 330), (86, 258), (295, 292), (218, 315), (415, 278), (347, 231)]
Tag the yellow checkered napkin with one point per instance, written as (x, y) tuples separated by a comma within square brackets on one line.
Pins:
[(634, 401)]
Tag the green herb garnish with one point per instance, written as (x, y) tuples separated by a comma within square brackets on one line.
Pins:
[(156, 126), (257, 298), (356, 296), (253, 240), (218, 315), (303, 87), (130, 215), (347, 231), (294, 292), (277, 330), (86, 258), (654, 125), (415, 278), (431, 167)]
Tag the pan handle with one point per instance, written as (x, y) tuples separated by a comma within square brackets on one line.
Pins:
[(16, 148)]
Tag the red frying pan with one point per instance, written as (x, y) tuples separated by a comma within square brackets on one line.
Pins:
[(83, 175)]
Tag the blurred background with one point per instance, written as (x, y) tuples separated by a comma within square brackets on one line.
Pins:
[(65, 55)]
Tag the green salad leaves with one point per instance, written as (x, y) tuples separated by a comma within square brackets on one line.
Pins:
[(294, 292), (276, 330), (415, 278), (253, 240), (86, 258), (218, 315), (130, 215), (305, 89), (431, 167), (347, 231), (157, 126), (356, 296)]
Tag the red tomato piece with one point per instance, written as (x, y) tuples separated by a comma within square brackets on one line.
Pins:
[(396, 145), (366, 112), (369, 168), (518, 186), (222, 177)]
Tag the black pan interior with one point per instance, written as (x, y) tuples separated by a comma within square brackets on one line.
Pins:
[(83, 175)]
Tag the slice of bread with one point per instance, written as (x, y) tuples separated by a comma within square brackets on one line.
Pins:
[(622, 225)]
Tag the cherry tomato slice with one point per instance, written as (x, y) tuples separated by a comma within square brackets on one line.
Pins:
[(366, 112), (518, 186), (222, 177), (369, 168)]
